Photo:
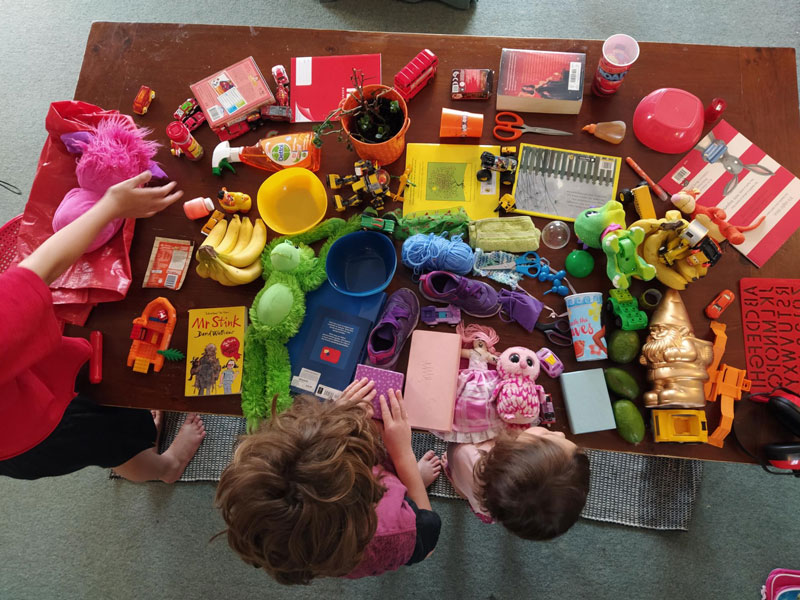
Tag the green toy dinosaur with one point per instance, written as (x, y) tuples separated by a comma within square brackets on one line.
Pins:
[(604, 228), (291, 271)]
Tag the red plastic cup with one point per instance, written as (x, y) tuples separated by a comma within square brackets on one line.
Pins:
[(620, 51)]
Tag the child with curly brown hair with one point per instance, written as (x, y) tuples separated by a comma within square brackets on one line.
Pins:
[(310, 493), (534, 482)]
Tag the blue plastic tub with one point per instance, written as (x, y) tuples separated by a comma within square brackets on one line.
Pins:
[(361, 263)]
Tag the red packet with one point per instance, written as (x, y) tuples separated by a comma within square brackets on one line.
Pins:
[(168, 264)]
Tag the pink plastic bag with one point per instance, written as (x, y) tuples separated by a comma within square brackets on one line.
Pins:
[(100, 276)]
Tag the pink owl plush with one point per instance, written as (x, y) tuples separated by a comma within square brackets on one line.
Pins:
[(517, 396), (115, 151)]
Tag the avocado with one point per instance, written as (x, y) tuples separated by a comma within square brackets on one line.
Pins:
[(630, 423), (621, 383), (623, 346)]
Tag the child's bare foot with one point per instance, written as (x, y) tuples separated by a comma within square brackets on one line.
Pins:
[(158, 420), (184, 447), (430, 466)]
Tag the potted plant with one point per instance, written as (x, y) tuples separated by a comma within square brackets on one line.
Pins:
[(373, 118)]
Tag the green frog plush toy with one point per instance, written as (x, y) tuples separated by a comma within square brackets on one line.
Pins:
[(291, 271), (604, 228)]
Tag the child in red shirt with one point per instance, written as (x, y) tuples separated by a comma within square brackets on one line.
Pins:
[(46, 428)]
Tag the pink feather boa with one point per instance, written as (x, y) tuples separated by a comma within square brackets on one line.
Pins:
[(117, 151)]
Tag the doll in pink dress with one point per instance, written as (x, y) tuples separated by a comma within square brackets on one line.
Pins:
[(475, 418)]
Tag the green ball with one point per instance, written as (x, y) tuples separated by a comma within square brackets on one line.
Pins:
[(579, 263)]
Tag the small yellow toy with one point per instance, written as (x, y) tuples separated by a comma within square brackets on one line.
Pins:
[(680, 425), (507, 203), (234, 201)]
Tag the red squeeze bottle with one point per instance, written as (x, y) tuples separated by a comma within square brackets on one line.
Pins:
[(96, 359), (184, 140)]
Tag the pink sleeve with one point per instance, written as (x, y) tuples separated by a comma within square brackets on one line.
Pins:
[(29, 330)]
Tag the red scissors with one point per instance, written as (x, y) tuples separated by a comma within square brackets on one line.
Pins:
[(512, 127)]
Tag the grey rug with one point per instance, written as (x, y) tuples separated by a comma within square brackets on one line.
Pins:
[(628, 489)]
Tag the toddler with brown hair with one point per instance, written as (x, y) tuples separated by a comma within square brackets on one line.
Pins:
[(310, 494), (534, 481)]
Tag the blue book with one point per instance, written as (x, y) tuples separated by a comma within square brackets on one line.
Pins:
[(586, 398), (331, 353), (366, 307)]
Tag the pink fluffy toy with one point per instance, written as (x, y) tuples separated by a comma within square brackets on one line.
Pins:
[(115, 151), (517, 395)]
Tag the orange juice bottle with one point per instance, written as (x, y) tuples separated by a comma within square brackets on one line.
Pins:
[(608, 131)]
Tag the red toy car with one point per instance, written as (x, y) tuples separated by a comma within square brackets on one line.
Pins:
[(281, 85), (186, 108), (718, 305), (194, 120), (143, 99), (232, 131)]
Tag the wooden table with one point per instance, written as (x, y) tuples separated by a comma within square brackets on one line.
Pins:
[(759, 85)]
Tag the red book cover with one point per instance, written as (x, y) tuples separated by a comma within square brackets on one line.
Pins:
[(541, 81), (320, 83)]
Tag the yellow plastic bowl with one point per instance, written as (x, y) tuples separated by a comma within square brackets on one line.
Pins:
[(292, 201)]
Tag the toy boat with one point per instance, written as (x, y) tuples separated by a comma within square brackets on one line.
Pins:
[(151, 332)]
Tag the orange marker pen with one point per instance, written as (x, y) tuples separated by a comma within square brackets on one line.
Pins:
[(653, 185)]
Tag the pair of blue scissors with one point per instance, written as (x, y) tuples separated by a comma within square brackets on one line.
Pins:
[(558, 331), (529, 264)]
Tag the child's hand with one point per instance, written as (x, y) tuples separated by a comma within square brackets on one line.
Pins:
[(126, 200), (361, 391), (396, 430)]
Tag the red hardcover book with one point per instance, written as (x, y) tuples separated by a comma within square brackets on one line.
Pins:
[(320, 83), (541, 81)]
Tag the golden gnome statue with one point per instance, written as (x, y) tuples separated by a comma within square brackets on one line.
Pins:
[(676, 361)]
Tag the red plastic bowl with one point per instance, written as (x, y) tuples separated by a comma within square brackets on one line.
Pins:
[(669, 120)]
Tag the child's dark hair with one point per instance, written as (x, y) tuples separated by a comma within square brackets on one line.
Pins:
[(534, 487), (299, 496)]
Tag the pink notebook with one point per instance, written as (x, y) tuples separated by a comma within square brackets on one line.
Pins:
[(384, 381), (431, 379)]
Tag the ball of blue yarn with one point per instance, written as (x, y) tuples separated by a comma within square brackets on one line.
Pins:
[(428, 252)]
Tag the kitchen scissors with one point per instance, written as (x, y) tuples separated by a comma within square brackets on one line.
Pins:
[(511, 126), (558, 331)]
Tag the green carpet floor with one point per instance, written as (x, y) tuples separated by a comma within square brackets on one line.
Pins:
[(85, 537)]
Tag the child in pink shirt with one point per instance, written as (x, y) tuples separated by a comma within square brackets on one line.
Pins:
[(310, 495), (534, 482)]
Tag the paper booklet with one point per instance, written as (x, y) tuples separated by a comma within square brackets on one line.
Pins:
[(444, 176), (560, 184), (734, 174)]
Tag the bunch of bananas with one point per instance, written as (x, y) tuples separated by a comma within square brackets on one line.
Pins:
[(662, 249), (231, 253)]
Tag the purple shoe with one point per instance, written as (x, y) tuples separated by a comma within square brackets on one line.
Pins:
[(473, 297), (399, 318)]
